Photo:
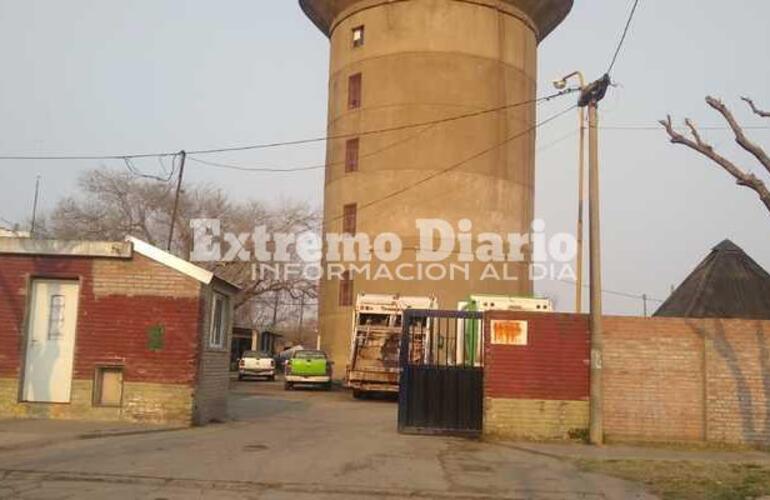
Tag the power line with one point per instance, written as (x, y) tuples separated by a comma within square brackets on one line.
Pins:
[(640, 128), (627, 295), (643, 128), (456, 165), (557, 141), (293, 142), (256, 169), (623, 38), (310, 167), (135, 171), (388, 129)]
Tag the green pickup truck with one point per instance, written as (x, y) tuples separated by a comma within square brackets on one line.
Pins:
[(308, 367)]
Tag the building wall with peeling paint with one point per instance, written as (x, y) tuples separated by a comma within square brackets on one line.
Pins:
[(135, 314)]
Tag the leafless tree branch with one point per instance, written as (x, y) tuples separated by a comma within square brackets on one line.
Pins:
[(740, 136), (756, 110), (113, 204), (694, 131), (697, 144)]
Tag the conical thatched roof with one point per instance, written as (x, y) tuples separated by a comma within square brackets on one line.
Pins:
[(727, 284)]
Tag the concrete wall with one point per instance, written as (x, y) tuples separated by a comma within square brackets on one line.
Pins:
[(422, 61), (664, 380), (120, 300)]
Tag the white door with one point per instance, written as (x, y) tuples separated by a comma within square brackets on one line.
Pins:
[(51, 341)]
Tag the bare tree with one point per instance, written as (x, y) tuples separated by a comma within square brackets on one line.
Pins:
[(112, 204), (742, 176), (287, 218)]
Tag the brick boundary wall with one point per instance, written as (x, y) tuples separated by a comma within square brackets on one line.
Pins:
[(540, 390), (687, 380), (664, 380)]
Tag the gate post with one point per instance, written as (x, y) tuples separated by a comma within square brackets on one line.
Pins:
[(403, 365)]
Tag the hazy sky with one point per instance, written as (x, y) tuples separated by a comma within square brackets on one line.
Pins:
[(109, 77)]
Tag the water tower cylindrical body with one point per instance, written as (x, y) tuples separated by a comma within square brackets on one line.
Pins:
[(400, 62)]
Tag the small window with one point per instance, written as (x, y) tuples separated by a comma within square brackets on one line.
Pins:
[(351, 155), (354, 91), (346, 290), (219, 311), (358, 37), (56, 317), (108, 386), (349, 219)]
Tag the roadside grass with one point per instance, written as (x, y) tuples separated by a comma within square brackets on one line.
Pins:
[(690, 446), (689, 480)]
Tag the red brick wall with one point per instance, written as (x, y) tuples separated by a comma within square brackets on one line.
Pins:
[(664, 379), (678, 379), (553, 366), (653, 379), (737, 380), (112, 328), (14, 274)]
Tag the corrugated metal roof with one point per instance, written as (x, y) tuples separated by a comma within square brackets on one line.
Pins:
[(727, 284)]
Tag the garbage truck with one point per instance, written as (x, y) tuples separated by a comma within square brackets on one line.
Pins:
[(376, 340)]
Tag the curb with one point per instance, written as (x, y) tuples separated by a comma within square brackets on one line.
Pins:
[(45, 442)]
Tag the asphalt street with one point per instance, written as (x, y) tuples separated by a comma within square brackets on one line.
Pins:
[(296, 444)]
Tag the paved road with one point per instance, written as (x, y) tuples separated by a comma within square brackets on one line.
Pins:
[(298, 445)]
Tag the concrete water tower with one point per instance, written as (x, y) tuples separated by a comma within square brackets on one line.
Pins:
[(399, 62)]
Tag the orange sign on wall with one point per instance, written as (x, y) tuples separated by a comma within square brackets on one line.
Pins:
[(506, 332)]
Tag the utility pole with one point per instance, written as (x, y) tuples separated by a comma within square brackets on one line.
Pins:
[(183, 157), (561, 85), (590, 97), (34, 207), (276, 300), (581, 206), (301, 317), (644, 299)]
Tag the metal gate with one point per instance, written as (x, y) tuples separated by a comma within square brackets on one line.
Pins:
[(441, 390)]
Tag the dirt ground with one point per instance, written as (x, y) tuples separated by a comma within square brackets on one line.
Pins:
[(298, 444)]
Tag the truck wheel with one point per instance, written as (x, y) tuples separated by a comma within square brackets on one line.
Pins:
[(287, 386), (328, 386), (357, 394), (271, 378), (240, 377)]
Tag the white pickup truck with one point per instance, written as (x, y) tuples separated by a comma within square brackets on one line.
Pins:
[(256, 364)]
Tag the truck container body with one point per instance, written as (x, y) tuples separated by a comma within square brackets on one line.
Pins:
[(376, 341)]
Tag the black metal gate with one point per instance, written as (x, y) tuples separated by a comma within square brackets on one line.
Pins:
[(441, 390)]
